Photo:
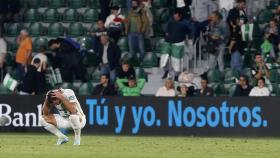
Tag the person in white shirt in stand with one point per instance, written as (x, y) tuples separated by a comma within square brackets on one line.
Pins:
[(260, 90), (43, 58), (167, 90), (114, 23)]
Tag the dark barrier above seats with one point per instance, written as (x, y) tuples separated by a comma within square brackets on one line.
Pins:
[(157, 116)]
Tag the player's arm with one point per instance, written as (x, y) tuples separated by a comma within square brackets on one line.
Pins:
[(46, 107), (70, 106)]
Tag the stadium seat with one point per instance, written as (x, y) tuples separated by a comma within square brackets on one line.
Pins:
[(95, 75), (86, 89), (214, 76), (51, 15), (70, 15), (120, 3), (65, 85), (85, 43), (230, 75), (55, 30), (39, 42), (90, 15), (264, 16), (150, 60), (4, 90), (13, 29), (159, 43), (140, 73), (94, 4), (56, 3), (123, 44), (159, 3), (132, 59), (216, 88), (36, 29), (148, 45), (275, 89), (12, 46), (158, 30), (34, 3), (228, 89), (76, 3), (10, 59), (32, 15), (75, 30), (163, 15), (274, 76)]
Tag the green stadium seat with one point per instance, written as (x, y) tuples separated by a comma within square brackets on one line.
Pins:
[(75, 30), (36, 29), (132, 59), (163, 15), (148, 45), (150, 60), (264, 16), (55, 30), (56, 3), (51, 15), (86, 89), (12, 46), (85, 43), (70, 15), (10, 59), (123, 44), (4, 90), (34, 3), (275, 89), (120, 3), (216, 88), (140, 73), (158, 30), (13, 29), (214, 75), (228, 89), (159, 45), (94, 74), (159, 3), (32, 15), (65, 85), (76, 3), (38, 43), (90, 15), (230, 75), (94, 4), (274, 76)]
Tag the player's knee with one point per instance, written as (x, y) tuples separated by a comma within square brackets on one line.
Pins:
[(43, 121)]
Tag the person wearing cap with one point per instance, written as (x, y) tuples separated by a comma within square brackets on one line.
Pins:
[(114, 23), (24, 53), (131, 86), (167, 90)]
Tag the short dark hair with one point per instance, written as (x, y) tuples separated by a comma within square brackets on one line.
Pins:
[(246, 78), (106, 75), (218, 14), (257, 54), (263, 79), (240, 1), (52, 41), (37, 61), (179, 12), (205, 79), (115, 8)]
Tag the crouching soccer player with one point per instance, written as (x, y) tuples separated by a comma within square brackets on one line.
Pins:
[(70, 115)]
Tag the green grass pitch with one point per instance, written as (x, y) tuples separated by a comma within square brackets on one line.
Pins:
[(42, 146)]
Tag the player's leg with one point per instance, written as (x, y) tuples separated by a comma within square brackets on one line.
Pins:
[(50, 124), (77, 124)]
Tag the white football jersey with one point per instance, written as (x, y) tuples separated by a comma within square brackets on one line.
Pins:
[(70, 95)]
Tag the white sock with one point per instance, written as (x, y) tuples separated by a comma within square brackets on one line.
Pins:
[(51, 128), (76, 125)]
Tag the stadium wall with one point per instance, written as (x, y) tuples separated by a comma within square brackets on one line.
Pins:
[(215, 116)]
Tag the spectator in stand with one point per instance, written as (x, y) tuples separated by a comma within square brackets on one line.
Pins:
[(131, 86), (96, 34), (216, 41), (201, 9), (114, 23), (205, 89), (3, 52), (104, 88), (105, 8), (43, 58), (125, 71), (260, 90), (173, 51), (242, 88), (272, 39), (236, 46), (260, 69), (184, 7), (24, 53), (137, 24), (237, 16), (67, 59), (167, 90), (34, 81), (109, 57), (185, 91)]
